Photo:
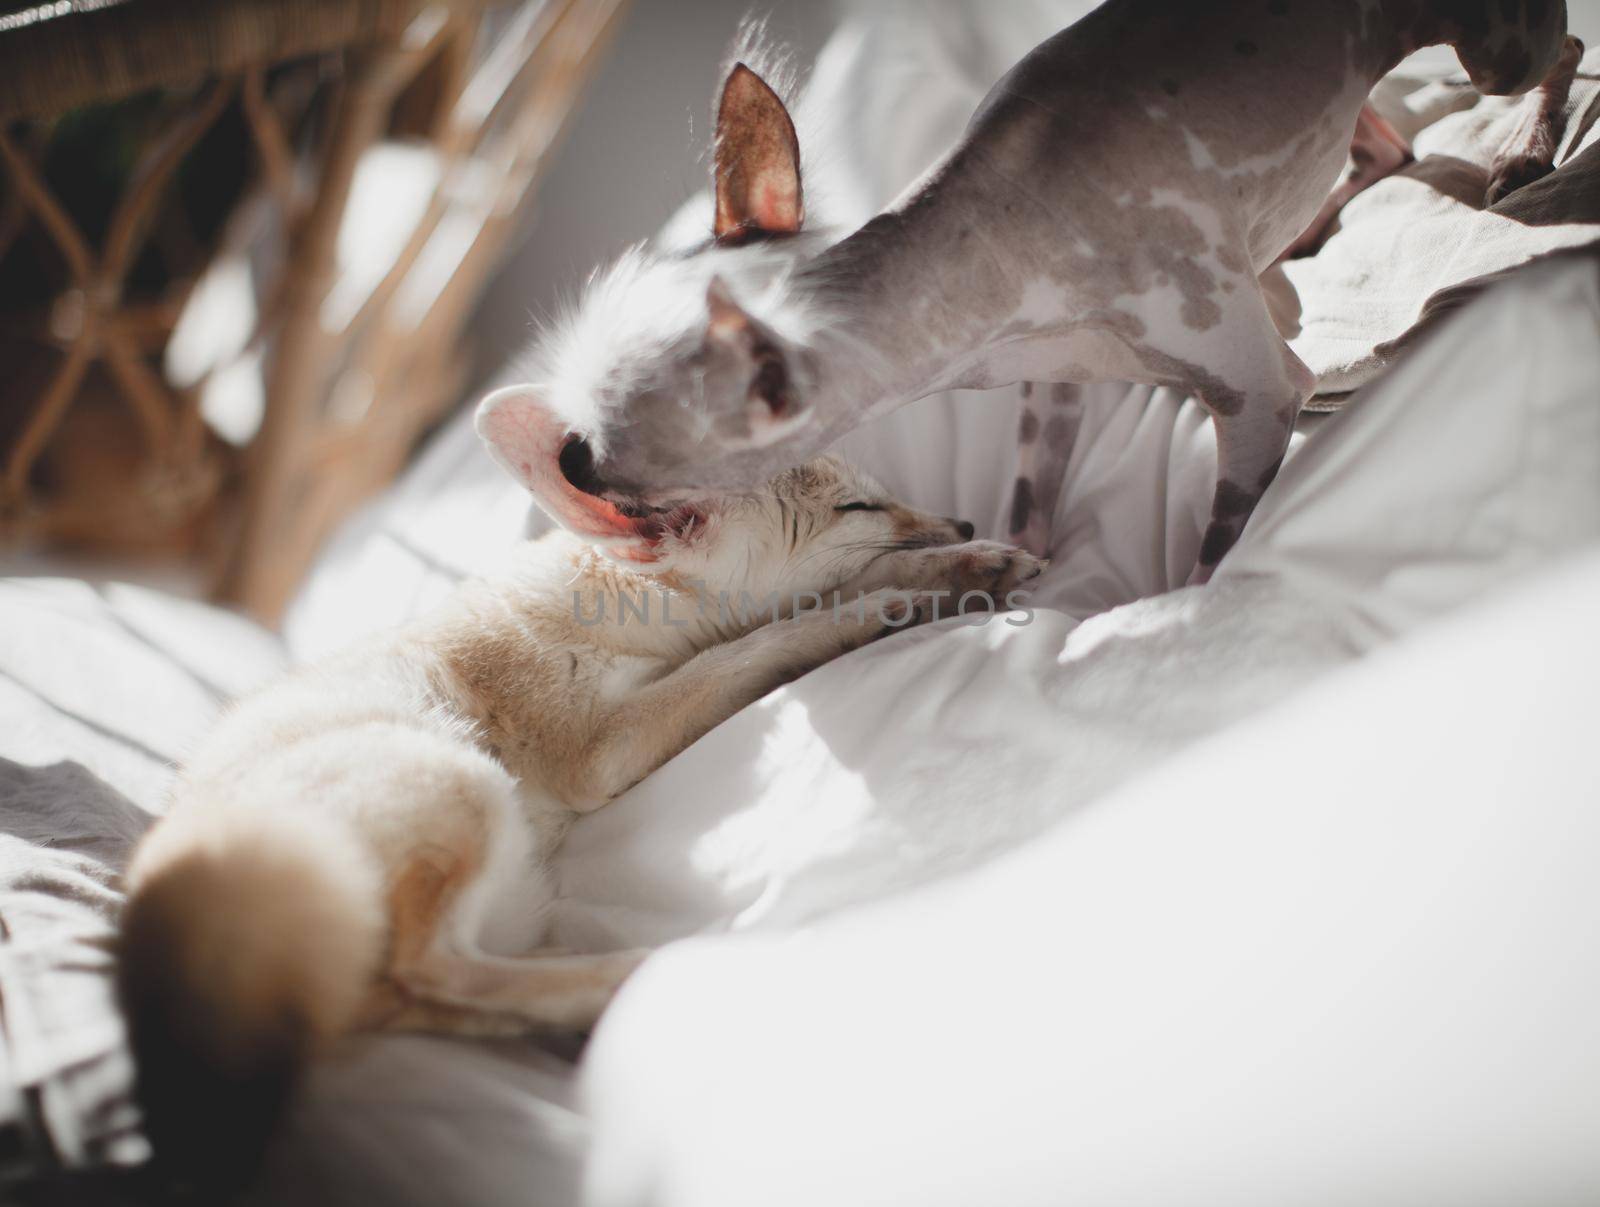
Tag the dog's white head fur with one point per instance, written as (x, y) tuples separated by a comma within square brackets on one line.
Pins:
[(682, 372), (656, 335)]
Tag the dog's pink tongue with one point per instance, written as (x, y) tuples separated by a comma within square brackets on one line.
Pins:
[(526, 438)]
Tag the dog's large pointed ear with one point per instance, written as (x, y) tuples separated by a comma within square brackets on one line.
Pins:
[(757, 161)]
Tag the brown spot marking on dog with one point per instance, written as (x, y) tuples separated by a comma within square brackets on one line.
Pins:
[(1120, 322), (1064, 393), (1218, 540), (1220, 399), (1021, 505), (1405, 15), (1230, 259), (1511, 66), (1175, 244), (1246, 47), (1214, 394), (1199, 313), (1231, 501), (1059, 433), (1027, 389), (1028, 428)]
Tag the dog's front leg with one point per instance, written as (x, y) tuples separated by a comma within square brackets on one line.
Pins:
[(1376, 150), (656, 722), (1529, 154)]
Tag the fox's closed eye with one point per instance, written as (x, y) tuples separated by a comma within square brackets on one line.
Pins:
[(859, 505)]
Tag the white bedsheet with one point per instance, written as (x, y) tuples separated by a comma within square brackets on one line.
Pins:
[(1339, 957)]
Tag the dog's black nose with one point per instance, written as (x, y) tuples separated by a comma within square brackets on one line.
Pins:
[(964, 528), (576, 460)]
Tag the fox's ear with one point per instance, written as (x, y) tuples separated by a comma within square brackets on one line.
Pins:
[(757, 161)]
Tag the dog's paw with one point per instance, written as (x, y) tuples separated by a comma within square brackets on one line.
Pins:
[(993, 568), (1529, 153), (1512, 172)]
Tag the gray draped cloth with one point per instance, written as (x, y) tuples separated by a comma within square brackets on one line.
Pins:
[(64, 1070), (101, 690)]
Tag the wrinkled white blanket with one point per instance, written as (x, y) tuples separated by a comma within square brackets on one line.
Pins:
[(1421, 241), (1335, 957)]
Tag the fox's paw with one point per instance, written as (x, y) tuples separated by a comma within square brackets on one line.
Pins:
[(947, 575), (892, 609), (992, 568)]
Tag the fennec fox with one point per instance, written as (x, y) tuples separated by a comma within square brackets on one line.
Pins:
[(363, 844)]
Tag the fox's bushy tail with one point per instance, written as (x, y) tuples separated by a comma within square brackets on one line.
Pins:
[(247, 940)]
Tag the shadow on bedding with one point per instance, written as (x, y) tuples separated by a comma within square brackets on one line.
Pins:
[(66, 1077)]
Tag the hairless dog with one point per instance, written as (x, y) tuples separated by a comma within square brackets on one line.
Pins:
[(1105, 217)]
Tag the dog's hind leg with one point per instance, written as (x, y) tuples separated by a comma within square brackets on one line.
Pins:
[(1051, 416), (1253, 392), (1376, 150)]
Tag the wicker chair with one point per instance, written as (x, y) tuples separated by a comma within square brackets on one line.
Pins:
[(268, 109)]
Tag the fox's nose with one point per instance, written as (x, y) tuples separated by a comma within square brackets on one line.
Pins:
[(964, 528)]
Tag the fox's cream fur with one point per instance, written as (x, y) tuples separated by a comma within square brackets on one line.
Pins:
[(363, 844)]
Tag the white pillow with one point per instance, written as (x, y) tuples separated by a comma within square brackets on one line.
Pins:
[(1341, 955)]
